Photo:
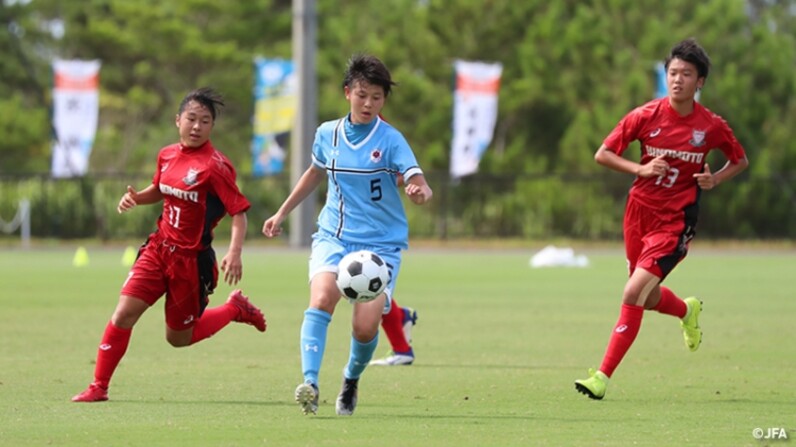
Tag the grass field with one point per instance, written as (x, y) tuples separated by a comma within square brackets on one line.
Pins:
[(498, 344)]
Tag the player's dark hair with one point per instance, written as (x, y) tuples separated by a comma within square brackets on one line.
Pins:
[(205, 96), (690, 51), (363, 67)]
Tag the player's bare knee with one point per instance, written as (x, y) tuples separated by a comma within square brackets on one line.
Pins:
[(325, 302), (178, 342), (124, 320), (631, 295), (179, 339), (363, 334), (638, 291), (127, 312)]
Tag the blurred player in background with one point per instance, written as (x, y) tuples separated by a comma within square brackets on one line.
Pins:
[(360, 156), (676, 133), (197, 186), (397, 324)]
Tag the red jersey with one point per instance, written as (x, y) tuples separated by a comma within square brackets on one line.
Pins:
[(683, 140), (198, 187)]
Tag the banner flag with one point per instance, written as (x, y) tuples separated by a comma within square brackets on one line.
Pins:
[(75, 115), (475, 110), (660, 81), (274, 114)]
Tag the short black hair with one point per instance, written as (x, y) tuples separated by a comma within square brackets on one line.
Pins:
[(690, 51), (205, 96), (363, 67)]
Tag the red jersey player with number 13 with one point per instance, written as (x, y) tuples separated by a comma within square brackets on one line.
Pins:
[(197, 186), (676, 133)]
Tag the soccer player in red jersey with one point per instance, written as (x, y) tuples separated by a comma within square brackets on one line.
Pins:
[(196, 184), (676, 133), (397, 324)]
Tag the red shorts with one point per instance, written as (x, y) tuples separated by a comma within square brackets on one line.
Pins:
[(186, 281), (657, 240)]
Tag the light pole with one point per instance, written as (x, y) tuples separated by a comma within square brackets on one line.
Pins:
[(302, 223)]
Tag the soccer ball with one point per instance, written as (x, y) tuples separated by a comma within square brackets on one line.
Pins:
[(362, 276)]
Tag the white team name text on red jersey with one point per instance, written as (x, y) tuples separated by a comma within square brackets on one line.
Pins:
[(691, 157), (193, 196)]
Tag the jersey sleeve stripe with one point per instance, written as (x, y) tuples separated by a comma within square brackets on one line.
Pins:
[(317, 162), (411, 172)]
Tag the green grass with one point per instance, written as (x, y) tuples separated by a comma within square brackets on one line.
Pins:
[(498, 343)]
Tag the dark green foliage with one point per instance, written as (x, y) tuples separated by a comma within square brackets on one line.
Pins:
[(571, 70)]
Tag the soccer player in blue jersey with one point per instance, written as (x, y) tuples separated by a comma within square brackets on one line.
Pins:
[(360, 156)]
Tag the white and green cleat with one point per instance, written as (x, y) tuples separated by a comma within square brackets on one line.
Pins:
[(690, 324), (594, 386), (307, 397)]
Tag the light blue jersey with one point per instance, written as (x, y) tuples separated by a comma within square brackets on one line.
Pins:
[(362, 162)]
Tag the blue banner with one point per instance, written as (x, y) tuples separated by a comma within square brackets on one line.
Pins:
[(274, 114), (660, 81)]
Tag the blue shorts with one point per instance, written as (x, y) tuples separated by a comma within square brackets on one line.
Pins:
[(327, 251)]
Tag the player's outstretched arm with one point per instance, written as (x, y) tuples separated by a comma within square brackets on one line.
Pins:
[(131, 198), (232, 264), (310, 180)]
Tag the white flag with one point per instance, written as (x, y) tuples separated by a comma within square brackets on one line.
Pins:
[(75, 114), (474, 114)]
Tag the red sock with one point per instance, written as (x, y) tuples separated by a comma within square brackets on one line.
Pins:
[(111, 350), (393, 325), (212, 321), (670, 304), (622, 337)]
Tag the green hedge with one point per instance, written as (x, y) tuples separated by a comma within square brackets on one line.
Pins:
[(535, 207)]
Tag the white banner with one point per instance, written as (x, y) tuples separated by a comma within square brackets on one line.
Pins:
[(75, 115), (474, 114)]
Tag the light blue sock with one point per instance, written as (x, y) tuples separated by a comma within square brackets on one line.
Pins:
[(313, 342), (359, 357)]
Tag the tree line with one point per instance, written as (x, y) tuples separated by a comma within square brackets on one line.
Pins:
[(571, 69)]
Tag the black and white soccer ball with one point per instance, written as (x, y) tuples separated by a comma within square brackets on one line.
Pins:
[(362, 276)]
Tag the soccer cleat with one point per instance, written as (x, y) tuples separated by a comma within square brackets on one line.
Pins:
[(395, 359), (307, 396), (594, 386), (94, 393), (690, 324), (410, 319), (249, 313), (347, 399)]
